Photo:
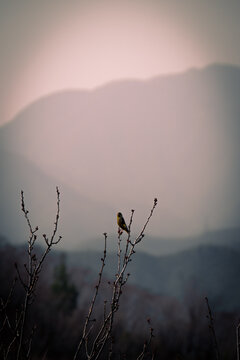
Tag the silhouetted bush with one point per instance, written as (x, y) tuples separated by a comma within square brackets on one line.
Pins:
[(58, 319)]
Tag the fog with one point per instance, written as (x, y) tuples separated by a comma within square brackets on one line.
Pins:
[(120, 146)]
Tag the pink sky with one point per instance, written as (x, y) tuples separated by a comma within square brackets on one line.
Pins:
[(55, 46), (52, 46)]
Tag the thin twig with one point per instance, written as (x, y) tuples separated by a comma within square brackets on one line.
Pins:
[(146, 343), (85, 332), (5, 304), (141, 235), (33, 269), (119, 252), (238, 340), (212, 330), (129, 234), (106, 328)]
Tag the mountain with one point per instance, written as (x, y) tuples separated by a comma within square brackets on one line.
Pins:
[(172, 137), (18, 174), (202, 271), (75, 223), (227, 238)]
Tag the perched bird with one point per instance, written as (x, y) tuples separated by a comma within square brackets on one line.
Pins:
[(121, 222)]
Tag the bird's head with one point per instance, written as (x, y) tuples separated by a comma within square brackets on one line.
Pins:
[(119, 214)]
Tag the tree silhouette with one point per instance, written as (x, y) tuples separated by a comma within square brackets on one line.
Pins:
[(64, 291)]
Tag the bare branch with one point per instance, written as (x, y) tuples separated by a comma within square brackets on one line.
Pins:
[(85, 333), (105, 330), (146, 343), (238, 340), (141, 235), (212, 330), (33, 269)]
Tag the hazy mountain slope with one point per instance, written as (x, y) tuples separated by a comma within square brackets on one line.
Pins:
[(206, 271), (174, 137), (40, 195), (228, 238), (76, 213)]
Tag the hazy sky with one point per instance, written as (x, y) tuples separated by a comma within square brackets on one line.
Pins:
[(51, 45)]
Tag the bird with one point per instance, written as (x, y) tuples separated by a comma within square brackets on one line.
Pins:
[(121, 222)]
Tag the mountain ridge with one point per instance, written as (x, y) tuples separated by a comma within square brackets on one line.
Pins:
[(215, 65), (181, 149), (206, 270)]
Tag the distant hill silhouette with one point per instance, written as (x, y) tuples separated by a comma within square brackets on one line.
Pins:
[(40, 199), (115, 148), (203, 271), (227, 238)]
